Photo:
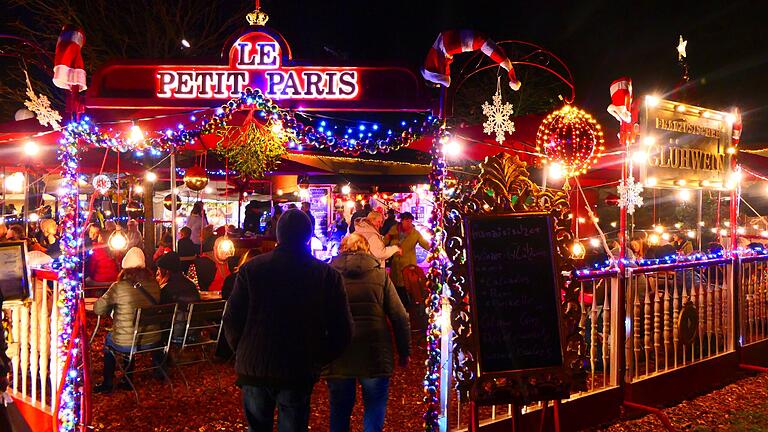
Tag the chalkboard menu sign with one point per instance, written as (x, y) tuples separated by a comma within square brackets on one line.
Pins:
[(515, 292)]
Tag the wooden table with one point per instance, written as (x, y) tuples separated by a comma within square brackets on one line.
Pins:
[(210, 295)]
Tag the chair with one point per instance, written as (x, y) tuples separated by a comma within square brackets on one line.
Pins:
[(151, 322), (415, 283), (203, 328)]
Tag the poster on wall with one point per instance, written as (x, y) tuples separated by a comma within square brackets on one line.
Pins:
[(320, 207)]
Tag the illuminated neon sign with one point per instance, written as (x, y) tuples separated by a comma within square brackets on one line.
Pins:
[(255, 60)]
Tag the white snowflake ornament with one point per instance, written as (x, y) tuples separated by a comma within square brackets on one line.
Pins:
[(630, 194), (498, 114), (41, 106)]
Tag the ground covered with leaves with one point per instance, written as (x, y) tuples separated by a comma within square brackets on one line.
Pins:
[(208, 406), (739, 407)]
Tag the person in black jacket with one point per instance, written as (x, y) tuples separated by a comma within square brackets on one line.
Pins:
[(185, 246), (175, 288), (286, 319)]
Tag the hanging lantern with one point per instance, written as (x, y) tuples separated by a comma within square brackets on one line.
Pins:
[(196, 178), (167, 201), (117, 240), (135, 209), (101, 183), (223, 248), (571, 138)]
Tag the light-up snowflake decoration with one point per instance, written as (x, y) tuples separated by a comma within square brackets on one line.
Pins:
[(498, 117), (41, 106), (630, 194)]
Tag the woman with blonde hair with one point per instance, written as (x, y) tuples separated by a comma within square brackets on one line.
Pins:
[(375, 305), (369, 228)]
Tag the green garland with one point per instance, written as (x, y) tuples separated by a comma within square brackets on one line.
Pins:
[(256, 151)]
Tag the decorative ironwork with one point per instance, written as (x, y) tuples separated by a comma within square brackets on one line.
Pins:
[(504, 187)]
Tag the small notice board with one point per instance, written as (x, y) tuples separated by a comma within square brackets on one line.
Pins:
[(14, 271), (515, 291)]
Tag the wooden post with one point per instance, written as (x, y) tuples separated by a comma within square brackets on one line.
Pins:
[(149, 224)]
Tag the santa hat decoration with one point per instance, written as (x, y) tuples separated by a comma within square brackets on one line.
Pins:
[(69, 70), (736, 134), (621, 100), (437, 66)]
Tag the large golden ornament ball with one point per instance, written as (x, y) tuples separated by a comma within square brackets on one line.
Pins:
[(196, 178)]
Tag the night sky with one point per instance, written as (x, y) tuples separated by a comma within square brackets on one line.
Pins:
[(599, 40)]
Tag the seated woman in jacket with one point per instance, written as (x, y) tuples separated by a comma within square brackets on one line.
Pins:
[(102, 266), (135, 288), (369, 359)]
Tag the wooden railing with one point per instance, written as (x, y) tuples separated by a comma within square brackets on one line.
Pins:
[(33, 342), (753, 299)]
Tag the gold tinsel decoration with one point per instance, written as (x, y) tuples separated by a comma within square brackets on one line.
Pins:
[(256, 151)]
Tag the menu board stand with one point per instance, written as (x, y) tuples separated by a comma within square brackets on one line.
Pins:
[(509, 243)]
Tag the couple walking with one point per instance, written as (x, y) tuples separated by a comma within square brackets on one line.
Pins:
[(292, 318)]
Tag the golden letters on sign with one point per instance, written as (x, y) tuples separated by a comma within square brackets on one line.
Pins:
[(685, 145)]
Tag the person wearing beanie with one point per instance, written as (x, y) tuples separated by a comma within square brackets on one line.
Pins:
[(286, 319), (175, 288), (135, 288)]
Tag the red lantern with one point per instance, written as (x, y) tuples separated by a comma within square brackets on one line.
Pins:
[(572, 138)]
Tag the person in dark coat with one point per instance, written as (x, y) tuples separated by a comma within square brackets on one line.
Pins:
[(306, 208), (358, 214), (368, 360), (389, 222), (185, 247), (286, 319), (175, 288)]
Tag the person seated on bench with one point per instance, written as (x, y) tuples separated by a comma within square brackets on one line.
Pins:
[(175, 288), (135, 288)]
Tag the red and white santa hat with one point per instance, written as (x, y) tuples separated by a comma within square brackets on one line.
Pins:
[(621, 100), (68, 69), (437, 66), (736, 129)]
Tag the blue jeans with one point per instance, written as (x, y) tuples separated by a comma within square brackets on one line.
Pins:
[(110, 362), (342, 396), (292, 408)]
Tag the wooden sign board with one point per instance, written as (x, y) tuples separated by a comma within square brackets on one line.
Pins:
[(14, 271), (515, 291)]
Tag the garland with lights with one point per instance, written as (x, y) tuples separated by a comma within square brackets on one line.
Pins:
[(436, 276)]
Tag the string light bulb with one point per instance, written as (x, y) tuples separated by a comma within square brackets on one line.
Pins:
[(117, 241), (135, 135), (691, 234), (15, 182), (578, 250), (346, 189), (151, 177), (452, 148), (31, 148), (224, 248)]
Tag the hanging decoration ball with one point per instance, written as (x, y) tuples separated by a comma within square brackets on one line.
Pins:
[(102, 183), (578, 250), (572, 138), (167, 201), (135, 209), (196, 178)]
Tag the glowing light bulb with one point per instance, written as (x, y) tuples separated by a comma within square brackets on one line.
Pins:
[(346, 189), (681, 182), (764, 233), (680, 108), (31, 148), (665, 236), (135, 135), (452, 148), (652, 100), (653, 239), (649, 141), (15, 182), (640, 157), (651, 181), (185, 43), (208, 190), (138, 189), (691, 234), (594, 242), (225, 248), (613, 224), (731, 150), (117, 240), (723, 232), (578, 250), (150, 176), (741, 230), (556, 171), (659, 228), (679, 225), (684, 195), (33, 217)]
